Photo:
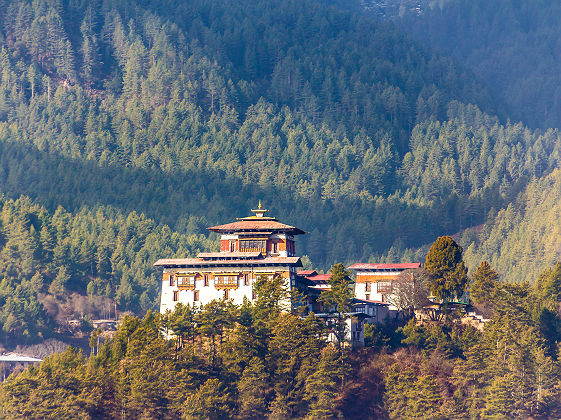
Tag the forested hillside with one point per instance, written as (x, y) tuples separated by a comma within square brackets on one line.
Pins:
[(202, 117), (188, 113), (513, 45), (525, 237), (257, 361), (59, 266), (128, 127)]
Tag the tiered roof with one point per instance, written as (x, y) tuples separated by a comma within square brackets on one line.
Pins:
[(258, 223)]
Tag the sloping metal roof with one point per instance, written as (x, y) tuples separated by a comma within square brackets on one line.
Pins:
[(192, 262), (18, 358), (256, 225), (399, 266)]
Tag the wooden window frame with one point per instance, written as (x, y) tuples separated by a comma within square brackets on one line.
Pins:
[(175, 295), (195, 295)]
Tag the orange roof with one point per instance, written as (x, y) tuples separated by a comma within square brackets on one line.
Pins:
[(399, 266), (256, 224), (319, 277), (306, 273)]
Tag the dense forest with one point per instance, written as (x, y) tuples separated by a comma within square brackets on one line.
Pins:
[(62, 266), (128, 127), (176, 110), (261, 361), (513, 45), (187, 113)]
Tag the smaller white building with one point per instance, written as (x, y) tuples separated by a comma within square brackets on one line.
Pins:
[(374, 282)]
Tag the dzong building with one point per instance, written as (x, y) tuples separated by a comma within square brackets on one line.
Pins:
[(250, 247)]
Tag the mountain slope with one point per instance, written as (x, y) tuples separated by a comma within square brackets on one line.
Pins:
[(303, 107), (524, 239), (513, 45), (188, 113)]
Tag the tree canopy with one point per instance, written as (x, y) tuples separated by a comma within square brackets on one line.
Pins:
[(448, 272)]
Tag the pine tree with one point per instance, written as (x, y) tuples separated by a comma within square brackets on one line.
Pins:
[(338, 299), (211, 401), (324, 386), (253, 389), (485, 279), (499, 402), (425, 398), (449, 273), (58, 286)]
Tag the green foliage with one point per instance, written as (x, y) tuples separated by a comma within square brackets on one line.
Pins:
[(141, 373), (485, 280), (520, 241), (282, 366), (517, 61), (338, 299), (254, 388), (322, 387), (312, 117), (59, 258), (448, 271), (211, 401)]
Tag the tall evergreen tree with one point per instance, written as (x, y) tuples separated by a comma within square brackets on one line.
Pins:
[(449, 273)]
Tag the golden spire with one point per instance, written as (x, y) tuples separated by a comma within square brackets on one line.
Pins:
[(260, 212)]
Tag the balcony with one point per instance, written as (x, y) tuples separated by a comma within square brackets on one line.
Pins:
[(186, 283), (226, 282)]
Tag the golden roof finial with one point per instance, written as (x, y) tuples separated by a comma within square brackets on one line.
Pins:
[(260, 212)]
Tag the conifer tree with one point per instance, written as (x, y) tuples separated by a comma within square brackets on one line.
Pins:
[(500, 401), (211, 401), (58, 286), (253, 389), (324, 386), (425, 398), (449, 273), (485, 279), (338, 299)]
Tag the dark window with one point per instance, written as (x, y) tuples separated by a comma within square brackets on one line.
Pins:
[(175, 295), (196, 296), (367, 297), (205, 278), (246, 279), (368, 286), (225, 293), (171, 281)]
